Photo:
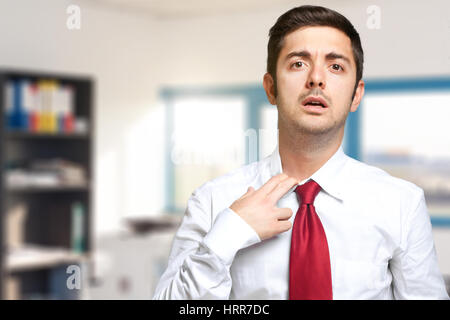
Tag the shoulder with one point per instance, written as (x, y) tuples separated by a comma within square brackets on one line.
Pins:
[(379, 183)]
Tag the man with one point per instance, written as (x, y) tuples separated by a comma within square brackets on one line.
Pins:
[(357, 232)]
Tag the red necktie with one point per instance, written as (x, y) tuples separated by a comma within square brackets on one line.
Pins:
[(309, 265)]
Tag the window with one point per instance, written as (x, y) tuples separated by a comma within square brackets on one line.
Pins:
[(207, 141), (209, 133), (404, 131)]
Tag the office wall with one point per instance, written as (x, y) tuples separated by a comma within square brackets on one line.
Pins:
[(412, 40), (118, 49)]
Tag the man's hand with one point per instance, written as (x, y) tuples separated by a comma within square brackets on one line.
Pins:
[(258, 208)]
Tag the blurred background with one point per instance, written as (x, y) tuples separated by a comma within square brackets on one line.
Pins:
[(114, 111)]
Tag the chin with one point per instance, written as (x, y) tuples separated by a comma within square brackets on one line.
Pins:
[(315, 129)]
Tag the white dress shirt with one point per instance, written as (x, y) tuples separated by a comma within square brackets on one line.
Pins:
[(377, 227)]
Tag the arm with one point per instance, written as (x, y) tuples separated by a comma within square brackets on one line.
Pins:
[(201, 255), (414, 266), (203, 251)]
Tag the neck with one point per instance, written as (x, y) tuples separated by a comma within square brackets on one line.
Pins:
[(303, 154)]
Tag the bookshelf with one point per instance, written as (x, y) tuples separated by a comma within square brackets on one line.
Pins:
[(46, 179)]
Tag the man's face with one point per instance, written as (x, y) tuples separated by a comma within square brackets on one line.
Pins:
[(315, 62)]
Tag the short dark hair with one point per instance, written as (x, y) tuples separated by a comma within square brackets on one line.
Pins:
[(311, 16)]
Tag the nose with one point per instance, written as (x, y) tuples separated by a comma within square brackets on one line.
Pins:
[(316, 78)]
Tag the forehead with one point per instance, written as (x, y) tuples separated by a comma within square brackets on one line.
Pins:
[(317, 40)]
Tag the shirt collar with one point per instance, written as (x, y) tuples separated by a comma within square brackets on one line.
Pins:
[(329, 176)]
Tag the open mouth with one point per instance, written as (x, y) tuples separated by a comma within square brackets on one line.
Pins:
[(315, 102), (315, 105)]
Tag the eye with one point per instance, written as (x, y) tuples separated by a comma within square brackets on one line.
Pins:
[(297, 64), (336, 67)]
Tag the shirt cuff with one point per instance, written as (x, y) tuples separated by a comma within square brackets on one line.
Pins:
[(229, 234)]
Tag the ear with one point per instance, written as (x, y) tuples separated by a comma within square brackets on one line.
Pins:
[(269, 87), (359, 93)]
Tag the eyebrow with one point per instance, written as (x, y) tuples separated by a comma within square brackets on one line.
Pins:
[(306, 54)]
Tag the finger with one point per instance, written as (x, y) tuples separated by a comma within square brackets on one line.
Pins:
[(284, 213), (281, 189), (250, 190), (272, 183), (284, 225)]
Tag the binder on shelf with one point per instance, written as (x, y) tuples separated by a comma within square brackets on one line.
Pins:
[(43, 106), (20, 105), (66, 112), (34, 112), (45, 121), (27, 104), (41, 101), (77, 229), (8, 103)]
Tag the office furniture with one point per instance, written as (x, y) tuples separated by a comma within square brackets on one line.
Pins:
[(45, 227)]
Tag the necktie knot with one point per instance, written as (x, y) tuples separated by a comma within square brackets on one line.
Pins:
[(307, 192)]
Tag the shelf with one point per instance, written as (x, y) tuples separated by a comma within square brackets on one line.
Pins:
[(62, 188), (45, 135), (32, 257), (42, 176)]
